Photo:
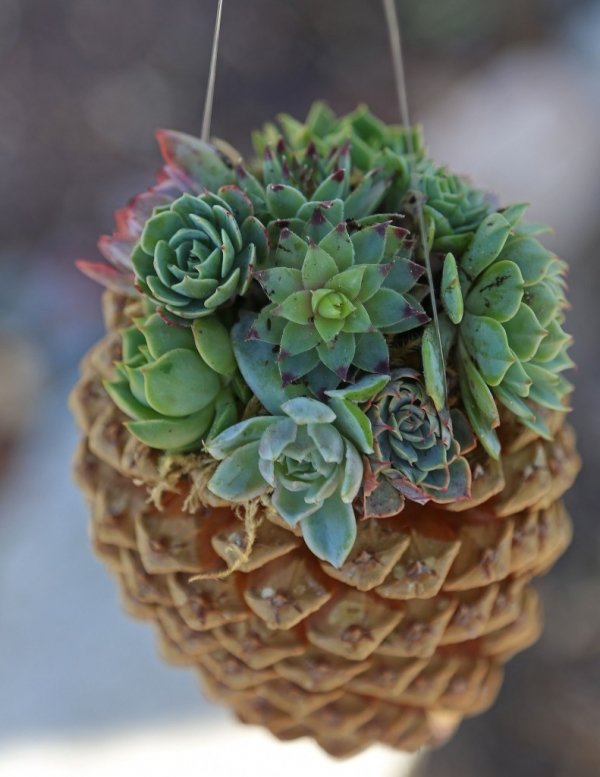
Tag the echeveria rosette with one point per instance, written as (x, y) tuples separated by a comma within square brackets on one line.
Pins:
[(369, 138), (452, 206), (333, 303), (191, 166), (199, 252), (308, 198), (304, 459), (505, 296), (179, 385), (418, 450)]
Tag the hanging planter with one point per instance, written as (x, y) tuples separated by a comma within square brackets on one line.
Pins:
[(324, 435)]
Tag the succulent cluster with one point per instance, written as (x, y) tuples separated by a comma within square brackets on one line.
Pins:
[(284, 326)]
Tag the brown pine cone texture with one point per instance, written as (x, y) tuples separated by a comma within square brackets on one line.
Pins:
[(396, 647)]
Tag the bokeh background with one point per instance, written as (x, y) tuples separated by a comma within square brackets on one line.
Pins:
[(508, 91)]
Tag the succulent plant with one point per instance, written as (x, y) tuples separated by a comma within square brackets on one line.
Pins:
[(367, 136), (191, 166), (199, 252), (451, 204), (313, 469), (292, 187), (332, 303), (505, 295), (179, 385), (418, 449)]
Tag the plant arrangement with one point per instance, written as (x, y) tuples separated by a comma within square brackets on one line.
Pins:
[(351, 429)]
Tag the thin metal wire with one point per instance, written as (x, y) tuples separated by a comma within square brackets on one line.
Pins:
[(393, 25), (212, 75)]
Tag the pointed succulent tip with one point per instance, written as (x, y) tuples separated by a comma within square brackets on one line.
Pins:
[(268, 154), (281, 147), (109, 277), (287, 378), (339, 175), (311, 149), (276, 187), (341, 227), (318, 217), (163, 137)]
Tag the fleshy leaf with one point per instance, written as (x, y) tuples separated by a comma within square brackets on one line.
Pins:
[(530, 256), (179, 384), (487, 345), (250, 430), (238, 477), (330, 532), (363, 390), (433, 367), (304, 410), (284, 201), (214, 345), (318, 268), (172, 434), (280, 282), (451, 295), (338, 245), (196, 159), (524, 333), (257, 365), (487, 436), (369, 244), (372, 353), (497, 292), (487, 244), (353, 423)]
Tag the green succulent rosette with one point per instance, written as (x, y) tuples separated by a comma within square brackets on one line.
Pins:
[(505, 296), (332, 304), (419, 451), (199, 252), (312, 470), (180, 386), (399, 181)]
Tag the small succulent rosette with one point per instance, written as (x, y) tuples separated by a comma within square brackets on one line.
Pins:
[(287, 328)]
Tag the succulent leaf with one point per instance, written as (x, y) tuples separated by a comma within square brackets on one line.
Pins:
[(415, 452), (330, 532), (451, 295), (174, 396), (312, 469), (514, 300), (347, 294), (195, 257)]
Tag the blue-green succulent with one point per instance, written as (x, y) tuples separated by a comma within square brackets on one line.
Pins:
[(419, 451), (199, 252), (180, 386), (311, 468), (332, 303), (505, 299)]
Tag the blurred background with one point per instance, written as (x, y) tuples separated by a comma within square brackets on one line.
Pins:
[(508, 91)]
